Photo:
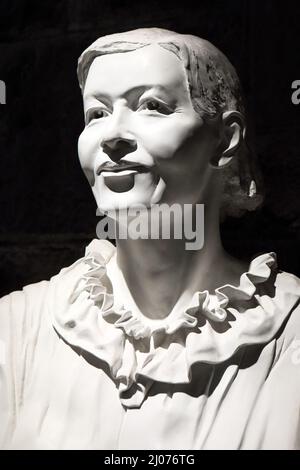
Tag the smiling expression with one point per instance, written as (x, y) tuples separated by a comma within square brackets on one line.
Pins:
[(143, 142)]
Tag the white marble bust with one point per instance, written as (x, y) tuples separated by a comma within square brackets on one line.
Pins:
[(148, 345)]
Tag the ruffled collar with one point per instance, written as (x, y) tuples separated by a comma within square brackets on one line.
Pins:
[(86, 314)]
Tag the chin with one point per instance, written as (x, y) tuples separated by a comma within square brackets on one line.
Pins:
[(109, 201)]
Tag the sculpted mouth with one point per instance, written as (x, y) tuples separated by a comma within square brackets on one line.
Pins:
[(122, 166), (120, 177)]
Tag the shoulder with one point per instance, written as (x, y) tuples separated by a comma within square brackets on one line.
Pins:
[(20, 313), (33, 296), (16, 301)]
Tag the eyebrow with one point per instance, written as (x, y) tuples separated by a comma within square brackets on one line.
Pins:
[(140, 89)]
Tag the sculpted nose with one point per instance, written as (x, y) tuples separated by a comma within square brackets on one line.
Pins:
[(117, 141), (118, 146)]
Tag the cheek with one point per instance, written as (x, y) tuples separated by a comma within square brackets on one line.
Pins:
[(173, 137), (87, 150), (87, 146)]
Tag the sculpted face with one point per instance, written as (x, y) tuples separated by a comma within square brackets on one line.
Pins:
[(143, 142)]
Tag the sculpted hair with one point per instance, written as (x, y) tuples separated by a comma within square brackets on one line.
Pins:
[(214, 88)]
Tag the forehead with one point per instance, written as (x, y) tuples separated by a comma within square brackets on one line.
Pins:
[(149, 66)]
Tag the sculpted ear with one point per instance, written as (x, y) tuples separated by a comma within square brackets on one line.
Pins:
[(233, 136)]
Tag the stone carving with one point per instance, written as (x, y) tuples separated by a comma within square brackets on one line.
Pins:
[(148, 345)]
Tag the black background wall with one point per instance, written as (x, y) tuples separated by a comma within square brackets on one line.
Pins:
[(47, 209)]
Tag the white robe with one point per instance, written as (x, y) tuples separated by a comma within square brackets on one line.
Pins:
[(80, 370)]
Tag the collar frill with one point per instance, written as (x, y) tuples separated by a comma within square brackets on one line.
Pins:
[(87, 315)]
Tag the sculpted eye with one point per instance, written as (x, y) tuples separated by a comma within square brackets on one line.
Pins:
[(96, 113), (154, 106)]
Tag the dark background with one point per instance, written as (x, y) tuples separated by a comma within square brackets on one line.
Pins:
[(47, 209)]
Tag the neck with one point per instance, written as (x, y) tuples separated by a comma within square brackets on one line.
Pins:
[(162, 275)]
